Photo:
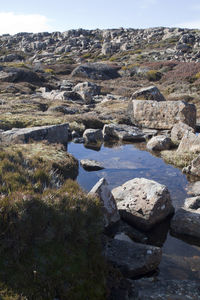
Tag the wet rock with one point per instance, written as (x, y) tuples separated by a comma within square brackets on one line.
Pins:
[(142, 202), (159, 143), (187, 219), (78, 140), (161, 115), (132, 259), (52, 133), (189, 143), (179, 130), (151, 289), (96, 71), (92, 136), (87, 90), (91, 165), (110, 211), (122, 132), (148, 93)]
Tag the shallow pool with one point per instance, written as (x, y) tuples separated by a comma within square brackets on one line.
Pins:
[(123, 162)]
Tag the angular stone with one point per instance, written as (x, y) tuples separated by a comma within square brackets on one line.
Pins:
[(179, 130), (148, 93), (133, 259), (93, 135), (159, 143), (110, 211), (194, 189), (91, 165), (142, 202), (194, 168), (52, 133), (87, 90), (161, 115), (189, 143)]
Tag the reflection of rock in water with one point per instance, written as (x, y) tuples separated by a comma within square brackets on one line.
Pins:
[(95, 147), (158, 234), (186, 238)]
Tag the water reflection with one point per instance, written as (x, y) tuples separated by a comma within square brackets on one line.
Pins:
[(126, 161)]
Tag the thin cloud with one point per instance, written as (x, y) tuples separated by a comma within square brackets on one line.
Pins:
[(13, 23), (190, 25)]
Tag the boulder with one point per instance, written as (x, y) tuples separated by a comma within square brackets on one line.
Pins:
[(122, 132), (61, 95), (52, 133), (179, 130), (96, 71), (19, 75), (87, 90), (92, 136), (132, 259), (159, 143), (189, 143), (187, 219), (148, 93), (110, 211), (161, 115), (91, 165), (142, 202)]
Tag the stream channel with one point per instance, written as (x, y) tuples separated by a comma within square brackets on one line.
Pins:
[(122, 162)]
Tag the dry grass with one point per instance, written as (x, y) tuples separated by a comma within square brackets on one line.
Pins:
[(177, 159)]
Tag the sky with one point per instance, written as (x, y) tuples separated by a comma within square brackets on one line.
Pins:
[(61, 15)]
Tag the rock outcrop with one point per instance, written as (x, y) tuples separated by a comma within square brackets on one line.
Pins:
[(96, 71)]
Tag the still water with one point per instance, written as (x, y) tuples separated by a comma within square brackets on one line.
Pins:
[(123, 162)]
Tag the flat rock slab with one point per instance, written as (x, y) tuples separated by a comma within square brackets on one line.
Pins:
[(142, 202), (123, 132), (161, 115), (91, 165), (52, 133), (149, 289), (133, 259)]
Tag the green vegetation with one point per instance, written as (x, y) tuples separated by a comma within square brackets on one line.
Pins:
[(50, 238)]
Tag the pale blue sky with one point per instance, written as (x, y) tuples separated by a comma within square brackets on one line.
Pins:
[(61, 15)]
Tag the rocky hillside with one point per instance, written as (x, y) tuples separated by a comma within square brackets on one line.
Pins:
[(155, 43)]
